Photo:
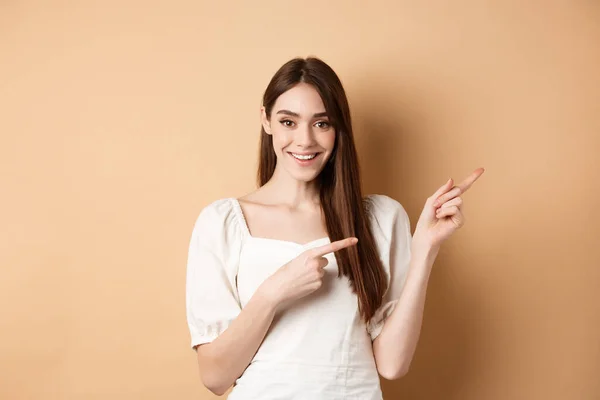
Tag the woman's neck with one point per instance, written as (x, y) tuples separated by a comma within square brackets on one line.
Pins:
[(283, 189)]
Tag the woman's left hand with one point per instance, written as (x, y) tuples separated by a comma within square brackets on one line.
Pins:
[(443, 214)]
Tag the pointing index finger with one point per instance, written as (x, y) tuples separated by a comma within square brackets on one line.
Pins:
[(333, 247), (467, 183)]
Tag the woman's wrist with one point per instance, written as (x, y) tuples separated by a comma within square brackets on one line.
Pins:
[(268, 296), (423, 252), (421, 245)]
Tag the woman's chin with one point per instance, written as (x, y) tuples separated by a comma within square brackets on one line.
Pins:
[(307, 175)]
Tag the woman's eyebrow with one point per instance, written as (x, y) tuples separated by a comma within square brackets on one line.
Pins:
[(293, 114)]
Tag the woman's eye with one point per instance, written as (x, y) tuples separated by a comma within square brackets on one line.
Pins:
[(322, 124), (287, 122)]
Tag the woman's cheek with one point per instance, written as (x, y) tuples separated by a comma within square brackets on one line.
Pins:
[(330, 142)]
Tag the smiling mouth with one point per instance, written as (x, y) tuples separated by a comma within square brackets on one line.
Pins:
[(304, 157)]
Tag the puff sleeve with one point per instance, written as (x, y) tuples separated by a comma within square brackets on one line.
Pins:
[(391, 229), (212, 300)]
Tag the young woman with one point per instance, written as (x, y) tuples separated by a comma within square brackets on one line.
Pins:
[(305, 289)]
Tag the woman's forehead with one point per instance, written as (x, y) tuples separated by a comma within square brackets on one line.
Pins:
[(303, 100)]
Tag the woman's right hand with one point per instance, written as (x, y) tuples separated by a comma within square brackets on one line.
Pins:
[(301, 276)]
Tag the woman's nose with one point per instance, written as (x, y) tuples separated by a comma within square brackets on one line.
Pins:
[(304, 136)]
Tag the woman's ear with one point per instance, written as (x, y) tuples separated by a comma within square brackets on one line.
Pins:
[(265, 121)]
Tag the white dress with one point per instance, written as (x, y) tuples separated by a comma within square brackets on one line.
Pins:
[(318, 348)]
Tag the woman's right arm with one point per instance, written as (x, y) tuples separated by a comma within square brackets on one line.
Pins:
[(224, 359)]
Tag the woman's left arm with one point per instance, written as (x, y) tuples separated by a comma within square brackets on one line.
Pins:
[(396, 344), (442, 215)]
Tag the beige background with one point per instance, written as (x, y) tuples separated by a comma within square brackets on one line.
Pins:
[(120, 120)]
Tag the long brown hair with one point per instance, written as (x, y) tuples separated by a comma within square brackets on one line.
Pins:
[(340, 190)]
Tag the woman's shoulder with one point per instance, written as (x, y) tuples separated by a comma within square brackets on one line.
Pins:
[(216, 210), (217, 235), (386, 214), (380, 205), (218, 216)]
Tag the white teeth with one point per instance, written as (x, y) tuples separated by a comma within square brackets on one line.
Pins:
[(304, 157)]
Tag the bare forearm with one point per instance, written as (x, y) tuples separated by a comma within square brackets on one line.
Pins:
[(395, 346), (225, 359)]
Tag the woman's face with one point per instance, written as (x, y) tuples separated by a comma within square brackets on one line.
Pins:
[(303, 138)]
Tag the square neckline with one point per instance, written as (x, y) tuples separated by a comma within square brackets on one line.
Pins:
[(244, 224)]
